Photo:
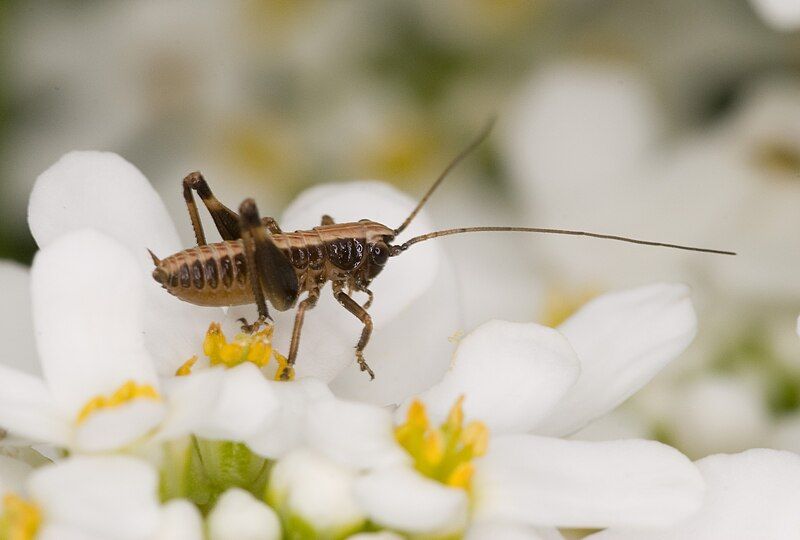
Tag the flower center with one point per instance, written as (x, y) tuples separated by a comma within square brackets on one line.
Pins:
[(129, 391), (20, 519), (255, 348), (444, 453)]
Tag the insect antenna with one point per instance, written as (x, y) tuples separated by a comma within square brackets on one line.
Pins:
[(464, 153), (447, 232)]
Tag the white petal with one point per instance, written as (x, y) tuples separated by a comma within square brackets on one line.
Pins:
[(27, 409), (749, 495), (555, 482), (309, 486), (13, 474), (87, 309), (622, 340), (287, 430), (239, 516), (402, 499), (100, 190), (16, 322), (180, 520), (780, 14), (399, 372), (353, 434), (246, 401), (191, 400), (508, 531), (511, 375), (352, 201), (112, 496), (118, 427)]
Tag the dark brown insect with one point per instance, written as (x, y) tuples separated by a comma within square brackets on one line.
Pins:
[(257, 262)]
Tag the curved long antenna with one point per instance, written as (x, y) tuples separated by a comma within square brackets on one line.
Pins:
[(464, 153), (399, 249)]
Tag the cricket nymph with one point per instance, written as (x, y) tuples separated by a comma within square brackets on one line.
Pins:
[(259, 263), (348, 254)]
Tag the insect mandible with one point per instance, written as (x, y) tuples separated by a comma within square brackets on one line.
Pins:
[(259, 263)]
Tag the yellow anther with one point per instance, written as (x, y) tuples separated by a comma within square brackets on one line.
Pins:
[(455, 418), (476, 437), (433, 448), (255, 348), (443, 453), (129, 391), (20, 519), (186, 367), (461, 476)]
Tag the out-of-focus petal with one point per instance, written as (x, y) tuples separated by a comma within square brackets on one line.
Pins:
[(180, 520), (511, 375), (13, 474), (622, 340), (16, 322), (402, 499), (508, 531), (87, 309), (780, 14), (101, 190), (27, 409), (111, 496), (554, 482), (287, 430), (353, 434), (307, 486), (239, 516), (119, 426), (748, 495)]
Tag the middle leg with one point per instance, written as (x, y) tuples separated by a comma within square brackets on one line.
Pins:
[(308, 303)]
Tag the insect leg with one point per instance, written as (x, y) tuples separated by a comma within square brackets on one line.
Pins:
[(327, 220), (353, 307), (226, 220), (308, 303), (249, 222), (271, 225), (197, 225), (368, 303)]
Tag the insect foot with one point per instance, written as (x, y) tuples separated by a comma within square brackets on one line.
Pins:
[(363, 364), (252, 328)]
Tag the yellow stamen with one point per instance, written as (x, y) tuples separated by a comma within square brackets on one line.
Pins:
[(20, 519), (444, 453), (186, 367), (129, 391), (255, 348), (461, 476), (476, 438)]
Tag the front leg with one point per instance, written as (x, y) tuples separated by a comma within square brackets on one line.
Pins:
[(308, 303), (352, 306)]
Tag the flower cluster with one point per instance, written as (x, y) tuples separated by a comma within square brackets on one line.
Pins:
[(127, 416)]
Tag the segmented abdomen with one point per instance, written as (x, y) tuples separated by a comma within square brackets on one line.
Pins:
[(210, 275)]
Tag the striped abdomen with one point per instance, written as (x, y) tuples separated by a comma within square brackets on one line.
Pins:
[(209, 275)]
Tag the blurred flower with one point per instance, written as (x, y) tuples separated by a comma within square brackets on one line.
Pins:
[(536, 385), (749, 495), (84, 497), (239, 516)]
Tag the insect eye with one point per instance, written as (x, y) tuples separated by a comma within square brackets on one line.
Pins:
[(379, 253)]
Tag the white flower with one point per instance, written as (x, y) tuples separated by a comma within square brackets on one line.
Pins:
[(313, 492), (780, 14), (99, 389), (85, 497), (521, 379), (180, 520), (749, 495), (239, 516)]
